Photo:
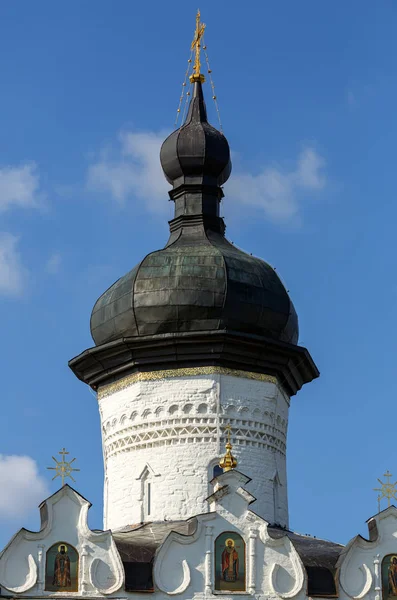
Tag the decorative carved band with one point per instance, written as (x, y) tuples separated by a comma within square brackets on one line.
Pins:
[(107, 390), (265, 420), (172, 433)]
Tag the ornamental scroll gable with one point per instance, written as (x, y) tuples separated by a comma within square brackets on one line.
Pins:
[(368, 567), (64, 555), (230, 551)]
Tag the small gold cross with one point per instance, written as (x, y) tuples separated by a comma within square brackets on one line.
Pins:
[(228, 431), (63, 467), (387, 490)]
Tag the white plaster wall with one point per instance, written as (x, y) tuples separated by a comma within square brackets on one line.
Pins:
[(22, 564), (166, 432), (185, 565), (360, 572)]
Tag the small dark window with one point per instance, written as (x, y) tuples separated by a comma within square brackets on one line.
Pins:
[(149, 490), (217, 470), (320, 582), (138, 577)]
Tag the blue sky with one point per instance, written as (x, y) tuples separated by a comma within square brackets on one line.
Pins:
[(307, 93)]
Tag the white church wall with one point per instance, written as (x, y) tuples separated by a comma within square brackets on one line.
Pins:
[(360, 566), (186, 566), (95, 565), (172, 426)]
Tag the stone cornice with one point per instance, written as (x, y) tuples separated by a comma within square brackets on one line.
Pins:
[(121, 384), (102, 365)]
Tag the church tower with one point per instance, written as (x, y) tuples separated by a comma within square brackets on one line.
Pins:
[(199, 335)]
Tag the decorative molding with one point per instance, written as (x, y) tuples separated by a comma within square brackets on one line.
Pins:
[(30, 580), (167, 433), (111, 388), (95, 564), (41, 567), (299, 580), (113, 556), (219, 493), (298, 568), (208, 559), (88, 540), (377, 578), (165, 549), (266, 420), (185, 581), (253, 534), (344, 565), (368, 580), (103, 365), (186, 578), (83, 570), (146, 471), (268, 540)]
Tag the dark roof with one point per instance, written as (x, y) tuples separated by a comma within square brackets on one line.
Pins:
[(200, 300), (319, 558), (139, 543), (199, 281), (314, 552), (137, 546), (196, 152), (292, 365)]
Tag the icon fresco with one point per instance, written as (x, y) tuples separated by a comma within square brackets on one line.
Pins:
[(62, 568), (230, 562)]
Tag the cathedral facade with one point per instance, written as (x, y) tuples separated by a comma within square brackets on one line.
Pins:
[(195, 362)]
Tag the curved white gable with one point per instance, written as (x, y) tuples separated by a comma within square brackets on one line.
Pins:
[(63, 519)]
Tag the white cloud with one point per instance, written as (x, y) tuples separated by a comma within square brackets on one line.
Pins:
[(135, 170), (309, 173), (22, 486), (19, 186), (277, 191), (53, 263), (12, 272)]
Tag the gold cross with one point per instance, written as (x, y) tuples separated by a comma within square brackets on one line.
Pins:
[(196, 46), (387, 490), (63, 467)]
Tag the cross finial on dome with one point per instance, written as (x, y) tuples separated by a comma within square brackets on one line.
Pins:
[(228, 462), (196, 46), (196, 157)]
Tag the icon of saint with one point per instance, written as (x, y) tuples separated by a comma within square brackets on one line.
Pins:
[(62, 577), (392, 576), (230, 561)]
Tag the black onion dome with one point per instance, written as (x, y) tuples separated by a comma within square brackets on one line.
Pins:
[(197, 152), (199, 282)]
